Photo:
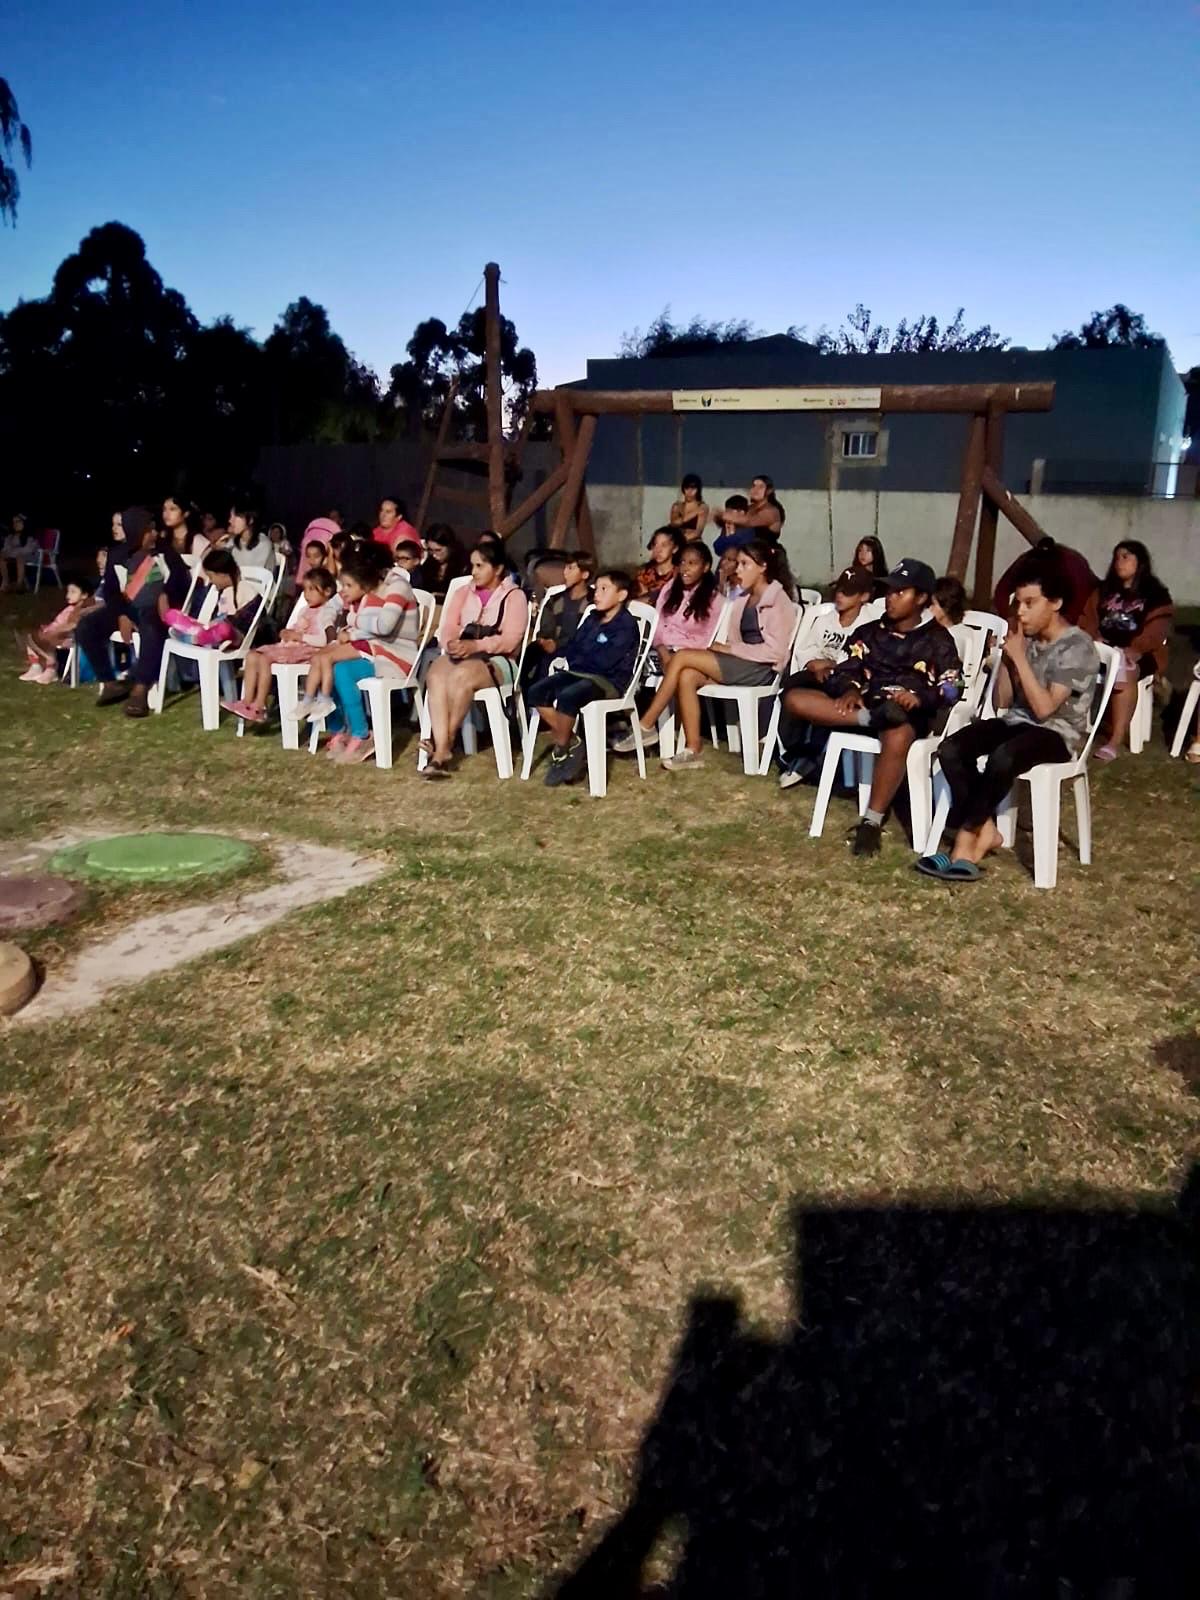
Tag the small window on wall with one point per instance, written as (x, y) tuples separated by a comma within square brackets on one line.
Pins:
[(860, 446)]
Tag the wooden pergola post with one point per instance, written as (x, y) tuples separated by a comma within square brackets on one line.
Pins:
[(985, 552), (438, 448), (968, 500), (497, 500), (581, 449)]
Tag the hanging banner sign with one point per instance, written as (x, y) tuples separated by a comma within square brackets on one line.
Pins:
[(775, 399)]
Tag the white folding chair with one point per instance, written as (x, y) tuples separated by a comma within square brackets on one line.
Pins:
[(491, 700), (747, 699), (209, 660), (1189, 711), (594, 717), (1045, 788), (47, 556)]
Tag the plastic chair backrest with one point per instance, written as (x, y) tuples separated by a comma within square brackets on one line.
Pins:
[(427, 610), (48, 542), (452, 587), (975, 636), (872, 611), (646, 618), (1110, 665), (810, 597)]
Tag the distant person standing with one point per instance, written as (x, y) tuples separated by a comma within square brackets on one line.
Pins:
[(764, 514), (689, 513), (393, 527)]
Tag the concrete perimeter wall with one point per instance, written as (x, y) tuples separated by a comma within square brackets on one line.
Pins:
[(921, 525)]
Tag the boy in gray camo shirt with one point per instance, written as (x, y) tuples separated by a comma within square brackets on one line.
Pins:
[(1044, 696)]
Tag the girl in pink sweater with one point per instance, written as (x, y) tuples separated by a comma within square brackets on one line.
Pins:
[(758, 641), (688, 607)]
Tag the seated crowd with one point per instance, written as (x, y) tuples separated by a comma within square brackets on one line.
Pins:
[(883, 657)]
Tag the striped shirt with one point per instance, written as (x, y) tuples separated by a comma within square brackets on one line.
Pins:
[(387, 621)]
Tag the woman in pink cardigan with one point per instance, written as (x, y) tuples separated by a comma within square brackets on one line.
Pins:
[(758, 637), (482, 629)]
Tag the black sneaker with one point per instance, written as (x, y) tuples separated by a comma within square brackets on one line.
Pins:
[(865, 839), (558, 766), (573, 761)]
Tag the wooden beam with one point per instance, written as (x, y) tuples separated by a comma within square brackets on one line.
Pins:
[(465, 497), (495, 394), (968, 500), (438, 447), (576, 468), (520, 515), (912, 397), (465, 452), (993, 463), (1004, 500)]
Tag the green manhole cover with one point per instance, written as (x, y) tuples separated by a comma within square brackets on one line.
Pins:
[(153, 857)]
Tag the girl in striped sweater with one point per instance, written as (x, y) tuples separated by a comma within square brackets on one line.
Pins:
[(379, 640)]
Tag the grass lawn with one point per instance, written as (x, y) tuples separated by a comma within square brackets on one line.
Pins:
[(352, 1262)]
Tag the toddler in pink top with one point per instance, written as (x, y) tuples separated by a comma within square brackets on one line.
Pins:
[(42, 644), (309, 628)]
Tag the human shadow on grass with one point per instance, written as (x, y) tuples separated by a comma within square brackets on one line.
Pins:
[(975, 1403)]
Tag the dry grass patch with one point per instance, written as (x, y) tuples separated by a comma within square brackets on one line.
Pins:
[(352, 1261)]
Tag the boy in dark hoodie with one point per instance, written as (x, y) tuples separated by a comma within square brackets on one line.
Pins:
[(596, 663)]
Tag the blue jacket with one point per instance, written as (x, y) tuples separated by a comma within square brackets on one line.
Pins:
[(604, 649)]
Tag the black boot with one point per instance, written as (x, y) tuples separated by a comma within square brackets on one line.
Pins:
[(111, 692)]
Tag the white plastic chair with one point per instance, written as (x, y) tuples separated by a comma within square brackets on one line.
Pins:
[(1046, 786), (47, 556), (1141, 728), (491, 701), (379, 689), (209, 659), (859, 750), (666, 722), (747, 698), (594, 717), (811, 597), (801, 645), (1189, 711)]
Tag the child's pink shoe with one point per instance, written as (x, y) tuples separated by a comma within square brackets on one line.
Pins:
[(47, 675), (336, 745), (33, 671)]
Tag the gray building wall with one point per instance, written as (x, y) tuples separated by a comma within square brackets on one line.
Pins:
[(1110, 408)]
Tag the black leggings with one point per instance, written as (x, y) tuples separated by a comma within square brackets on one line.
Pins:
[(1011, 748)]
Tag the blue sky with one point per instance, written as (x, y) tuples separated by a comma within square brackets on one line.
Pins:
[(773, 160)]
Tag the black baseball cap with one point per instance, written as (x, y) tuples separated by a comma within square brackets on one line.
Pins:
[(910, 574)]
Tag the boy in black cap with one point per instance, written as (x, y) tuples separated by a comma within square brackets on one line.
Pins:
[(898, 672)]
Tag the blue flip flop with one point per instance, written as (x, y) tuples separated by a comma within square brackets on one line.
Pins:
[(941, 866)]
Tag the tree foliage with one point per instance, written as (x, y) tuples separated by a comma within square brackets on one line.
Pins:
[(861, 335), (111, 388), (438, 355), (14, 137), (666, 338), (1118, 326)]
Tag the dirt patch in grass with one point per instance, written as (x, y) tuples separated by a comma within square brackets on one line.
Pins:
[(353, 1262)]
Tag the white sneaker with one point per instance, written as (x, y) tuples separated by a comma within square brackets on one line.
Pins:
[(685, 761), (625, 746), (322, 706), (788, 779), (301, 709)]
